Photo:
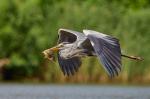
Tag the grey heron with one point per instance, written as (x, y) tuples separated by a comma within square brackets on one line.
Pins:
[(73, 45)]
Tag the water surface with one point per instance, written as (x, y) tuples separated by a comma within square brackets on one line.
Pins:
[(14, 91)]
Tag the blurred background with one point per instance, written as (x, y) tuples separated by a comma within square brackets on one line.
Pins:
[(27, 27)]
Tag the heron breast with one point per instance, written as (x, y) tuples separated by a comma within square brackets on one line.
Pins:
[(65, 53)]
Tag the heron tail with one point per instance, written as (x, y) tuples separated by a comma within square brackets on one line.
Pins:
[(133, 57)]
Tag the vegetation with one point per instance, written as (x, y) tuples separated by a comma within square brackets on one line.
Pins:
[(27, 27)]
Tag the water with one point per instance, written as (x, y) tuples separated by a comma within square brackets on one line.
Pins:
[(14, 91)]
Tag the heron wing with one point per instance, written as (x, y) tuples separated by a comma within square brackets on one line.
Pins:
[(66, 35), (107, 48), (69, 66)]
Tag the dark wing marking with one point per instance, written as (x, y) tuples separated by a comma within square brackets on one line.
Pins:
[(107, 49), (69, 66), (86, 44), (66, 35)]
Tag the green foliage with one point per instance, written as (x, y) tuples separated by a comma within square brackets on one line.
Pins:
[(135, 31), (27, 27)]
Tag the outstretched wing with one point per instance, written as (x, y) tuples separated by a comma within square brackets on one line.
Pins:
[(70, 36), (69, 66), (107, 49)]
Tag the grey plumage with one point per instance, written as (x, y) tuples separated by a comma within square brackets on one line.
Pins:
[(88, 43), (108, 51)]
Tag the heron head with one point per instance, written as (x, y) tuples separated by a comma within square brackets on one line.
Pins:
[(49, 53)]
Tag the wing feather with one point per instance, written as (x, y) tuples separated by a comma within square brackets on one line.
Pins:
[(107, 49), (66, 35), (69, 66)]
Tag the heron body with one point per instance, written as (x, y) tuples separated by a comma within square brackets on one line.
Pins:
[(73, 45)]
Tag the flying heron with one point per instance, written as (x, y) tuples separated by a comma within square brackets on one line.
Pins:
[(73, 45)]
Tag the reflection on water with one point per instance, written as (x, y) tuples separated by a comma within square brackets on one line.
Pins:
[(15, 91)]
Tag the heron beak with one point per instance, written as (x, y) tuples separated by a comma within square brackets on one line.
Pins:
[(54, 49)]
